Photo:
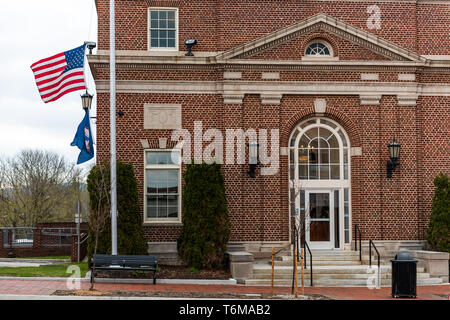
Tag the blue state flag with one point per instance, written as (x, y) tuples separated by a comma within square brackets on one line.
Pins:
[(83, 140)]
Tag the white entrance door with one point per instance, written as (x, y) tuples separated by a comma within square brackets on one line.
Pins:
[(319, 219)]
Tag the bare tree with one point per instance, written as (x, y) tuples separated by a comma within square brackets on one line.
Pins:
[(299, 226), (34, 187), (100, 207)]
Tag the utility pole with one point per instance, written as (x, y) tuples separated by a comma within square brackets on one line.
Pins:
[(112, 119)]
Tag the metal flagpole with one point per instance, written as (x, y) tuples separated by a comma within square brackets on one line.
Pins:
[(112, 114)]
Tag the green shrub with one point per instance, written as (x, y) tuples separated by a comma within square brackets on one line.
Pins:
[(130, 234), (438, 233), (193, 270), (206, 227)]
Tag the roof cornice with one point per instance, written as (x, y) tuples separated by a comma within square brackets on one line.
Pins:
[(329, 24)]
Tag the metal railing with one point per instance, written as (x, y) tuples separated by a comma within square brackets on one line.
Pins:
[(61, 237), (306, 246), (50, 237), (358, 233), (20, 236), (372, 244)]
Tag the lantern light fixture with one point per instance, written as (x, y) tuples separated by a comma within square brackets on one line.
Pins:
[(86, 100), (253, 157), (394, 155)]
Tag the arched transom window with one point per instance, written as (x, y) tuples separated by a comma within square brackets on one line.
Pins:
[(319, 48), (319, 150)]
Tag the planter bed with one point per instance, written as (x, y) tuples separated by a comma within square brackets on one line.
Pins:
[(166, 272)]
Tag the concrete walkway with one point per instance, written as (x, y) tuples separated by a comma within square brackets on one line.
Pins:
[(46, 287)]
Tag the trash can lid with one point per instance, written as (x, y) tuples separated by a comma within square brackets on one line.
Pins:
[(403, 256)]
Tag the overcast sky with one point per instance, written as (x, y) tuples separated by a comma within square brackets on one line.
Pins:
[(29, 31)]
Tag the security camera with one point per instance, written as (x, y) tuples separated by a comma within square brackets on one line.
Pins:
[(90, 45)]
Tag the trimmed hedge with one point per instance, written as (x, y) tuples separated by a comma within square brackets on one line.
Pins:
[(206, 227), (130, 234), (438, 233)]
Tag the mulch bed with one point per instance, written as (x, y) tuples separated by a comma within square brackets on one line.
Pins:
[(187, 295), (166, 272)]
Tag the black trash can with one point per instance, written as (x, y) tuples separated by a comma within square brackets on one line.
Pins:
[(404, 276)]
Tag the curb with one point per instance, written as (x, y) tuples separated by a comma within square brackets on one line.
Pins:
[(130, 281), (169, 281), (37, 261)]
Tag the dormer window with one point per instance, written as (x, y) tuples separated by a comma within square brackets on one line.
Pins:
[(318, 48)]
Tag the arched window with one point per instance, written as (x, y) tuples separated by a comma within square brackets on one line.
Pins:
[(319, 175), (319, 48), (319, 150)]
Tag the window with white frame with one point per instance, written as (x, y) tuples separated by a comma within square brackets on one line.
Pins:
[(163, 28), (319, 151), (162, 186)]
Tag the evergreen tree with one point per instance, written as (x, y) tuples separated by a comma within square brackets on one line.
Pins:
[(206, 227), (130, 233), (438, 233)]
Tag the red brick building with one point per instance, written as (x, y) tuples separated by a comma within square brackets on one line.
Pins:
[(337, 80)]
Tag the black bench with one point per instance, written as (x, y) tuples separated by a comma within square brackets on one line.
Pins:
[(123, 262)]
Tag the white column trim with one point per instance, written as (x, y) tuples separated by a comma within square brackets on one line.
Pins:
[(235, 89)]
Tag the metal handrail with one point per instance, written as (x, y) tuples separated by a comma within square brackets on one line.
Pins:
[(371, 243), (306, 246), (358, 233), (85, 235)]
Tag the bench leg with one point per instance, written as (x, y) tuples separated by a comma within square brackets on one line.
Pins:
[(154, 277)]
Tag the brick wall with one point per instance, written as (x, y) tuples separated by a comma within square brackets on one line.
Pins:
[(219, 25), (396, 208), (385, 209), (46, 244)]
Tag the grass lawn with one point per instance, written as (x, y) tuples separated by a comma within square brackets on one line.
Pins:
[(43, 271), (48, 257)]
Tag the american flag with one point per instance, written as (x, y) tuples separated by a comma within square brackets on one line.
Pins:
[(60, 74)]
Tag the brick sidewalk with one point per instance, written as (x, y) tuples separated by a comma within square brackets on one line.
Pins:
[(36, 287)]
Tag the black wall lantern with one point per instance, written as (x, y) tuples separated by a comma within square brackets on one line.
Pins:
[(394, 155), (253, 158)]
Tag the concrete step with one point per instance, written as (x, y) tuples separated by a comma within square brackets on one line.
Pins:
[(321, 263), (331, 258), (317, 276), (327, 269), (336, 282), (317, 253)]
